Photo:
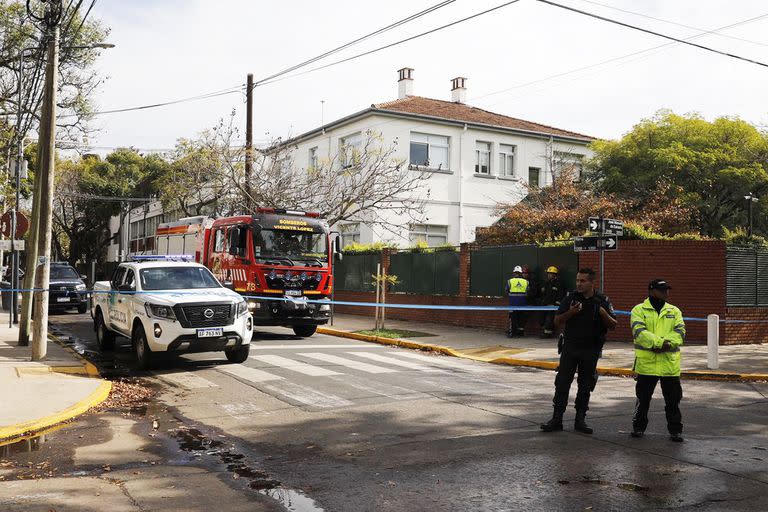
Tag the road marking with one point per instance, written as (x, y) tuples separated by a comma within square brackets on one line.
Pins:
[(187, 380), (242, 411), (256, 346), (350, 363), (308, 396), (249, 374), (442, 361), (395, 362), (362, 385), (296, 366)]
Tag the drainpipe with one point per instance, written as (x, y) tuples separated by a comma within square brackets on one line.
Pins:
[(461, 184)]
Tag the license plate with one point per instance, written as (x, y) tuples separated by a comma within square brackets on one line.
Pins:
[(293, 293), (210, 333), (62, 299)]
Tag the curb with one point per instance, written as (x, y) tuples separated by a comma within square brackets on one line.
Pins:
[(95, 398), (530, 363)]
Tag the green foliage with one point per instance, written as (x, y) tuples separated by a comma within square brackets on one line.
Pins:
[(708, 166), (394, 333), (419, 247), (739, 236), (374, 248), (446, 248)]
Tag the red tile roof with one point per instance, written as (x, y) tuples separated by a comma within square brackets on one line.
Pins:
[(468, 114)]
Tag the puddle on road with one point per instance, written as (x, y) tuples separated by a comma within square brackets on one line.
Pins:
[(294, 501), (107, 362), (27, 444)]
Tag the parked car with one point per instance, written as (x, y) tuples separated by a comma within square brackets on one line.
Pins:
[(170, 306), (67, 288)]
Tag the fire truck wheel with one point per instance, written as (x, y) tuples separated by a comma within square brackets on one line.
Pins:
[(304, 331), (238, 355)]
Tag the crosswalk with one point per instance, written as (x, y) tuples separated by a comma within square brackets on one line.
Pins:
[(334, 376)]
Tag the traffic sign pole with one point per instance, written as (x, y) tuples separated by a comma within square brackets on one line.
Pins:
[(601, 247)]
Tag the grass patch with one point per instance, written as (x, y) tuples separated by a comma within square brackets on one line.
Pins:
[(395, 333)]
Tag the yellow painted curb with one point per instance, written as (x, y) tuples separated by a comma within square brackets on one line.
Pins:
[(45, 370), (95, 398), (530, 363), (88, 367)]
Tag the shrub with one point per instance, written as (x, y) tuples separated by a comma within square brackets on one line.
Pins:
[(377, 247)]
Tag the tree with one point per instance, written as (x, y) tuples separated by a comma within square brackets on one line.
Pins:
[(89, 193), (561, 211), (707, 166), (78, 79)]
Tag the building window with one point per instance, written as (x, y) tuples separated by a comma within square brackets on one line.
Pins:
[(313, 157), (568, 162), (351, 147), (431, 234), (506, 160), (431, 151), (483, 157), (350, 234), (534, 174)]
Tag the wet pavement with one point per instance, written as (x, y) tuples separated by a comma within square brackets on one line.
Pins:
[(442, 434)]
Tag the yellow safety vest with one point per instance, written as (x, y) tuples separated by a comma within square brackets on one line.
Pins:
[(650, 330), (518, 286)]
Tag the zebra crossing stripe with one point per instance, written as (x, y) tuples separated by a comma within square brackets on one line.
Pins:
[(396, 362), (296, 366), (186, 380), (349, 363), (249, 374), (443, 361), (308, 396)]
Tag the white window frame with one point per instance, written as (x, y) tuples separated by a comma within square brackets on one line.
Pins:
[(435, 141), (433, 234), (507, 160), (561, 159), (350, 233), (538, 177), (483, 152), (350, 147), (313, 159)]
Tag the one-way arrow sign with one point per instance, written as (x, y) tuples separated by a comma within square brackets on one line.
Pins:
[(611, 243), (594, 224), (606, 226), (595, 243)]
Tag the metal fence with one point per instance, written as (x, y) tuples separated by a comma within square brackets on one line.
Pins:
[(746, 276), (429, 273), (491, 267), (355, 272)]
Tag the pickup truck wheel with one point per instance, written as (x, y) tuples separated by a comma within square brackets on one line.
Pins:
[(238, 355), (141, 349), (82, 308), (104, 337), (304, 331)]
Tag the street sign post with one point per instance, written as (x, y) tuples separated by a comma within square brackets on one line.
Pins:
[(608, 232), (595, 243), (606, 226)]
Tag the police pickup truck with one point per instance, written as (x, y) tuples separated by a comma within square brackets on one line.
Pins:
[(166, 304)]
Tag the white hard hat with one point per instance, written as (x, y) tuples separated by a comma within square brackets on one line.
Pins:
[(518, 269)]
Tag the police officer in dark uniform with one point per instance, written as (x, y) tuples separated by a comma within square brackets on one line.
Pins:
[(587, 315), (552, 293)]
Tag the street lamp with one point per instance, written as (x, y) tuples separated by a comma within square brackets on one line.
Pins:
[(752, 199), (13, 317)]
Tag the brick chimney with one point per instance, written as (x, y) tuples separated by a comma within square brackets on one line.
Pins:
[(405, 83), (458, 91)]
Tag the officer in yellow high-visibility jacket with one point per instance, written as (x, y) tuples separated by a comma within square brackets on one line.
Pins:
[(517, 289), (659, 331)]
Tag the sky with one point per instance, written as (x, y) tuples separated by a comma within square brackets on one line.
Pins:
[(528, 60)]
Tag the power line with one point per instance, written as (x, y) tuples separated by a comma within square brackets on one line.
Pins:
[(82, 22), (358, 40), (670, 22), (619, 58), (113, 199), (647, 31), (395, 43)]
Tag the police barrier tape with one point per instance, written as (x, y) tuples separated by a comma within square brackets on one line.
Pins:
[(373, 304)]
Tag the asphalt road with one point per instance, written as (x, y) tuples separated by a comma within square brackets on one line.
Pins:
[(331, 424)]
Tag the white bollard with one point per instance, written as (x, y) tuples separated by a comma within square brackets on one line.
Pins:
[(713, 340)]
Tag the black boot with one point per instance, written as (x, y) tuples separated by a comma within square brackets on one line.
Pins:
[(580, 425), (555, 424)]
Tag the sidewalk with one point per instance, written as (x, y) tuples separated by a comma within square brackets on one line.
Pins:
[(38, 395), (737, 362)]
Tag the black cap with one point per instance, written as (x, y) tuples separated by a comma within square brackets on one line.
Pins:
[(659, 284)]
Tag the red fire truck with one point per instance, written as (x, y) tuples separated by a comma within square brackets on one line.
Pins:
[(281, 259)]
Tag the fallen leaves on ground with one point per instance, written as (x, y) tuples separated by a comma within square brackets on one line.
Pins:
[(127, 393)]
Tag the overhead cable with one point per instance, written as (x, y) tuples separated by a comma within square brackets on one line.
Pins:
[(658, 34)]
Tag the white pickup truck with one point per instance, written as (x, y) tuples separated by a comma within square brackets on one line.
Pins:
[(169, 305)]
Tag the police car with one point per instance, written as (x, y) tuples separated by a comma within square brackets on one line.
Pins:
[(167, 304)]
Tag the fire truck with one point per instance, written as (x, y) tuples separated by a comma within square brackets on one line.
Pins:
[(280, 260)]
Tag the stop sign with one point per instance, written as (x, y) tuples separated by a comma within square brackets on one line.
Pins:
[(6, 221)]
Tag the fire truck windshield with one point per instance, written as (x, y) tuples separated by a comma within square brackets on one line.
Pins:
[(298, 246)]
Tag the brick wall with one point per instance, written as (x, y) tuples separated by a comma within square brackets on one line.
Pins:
[(695, 269)]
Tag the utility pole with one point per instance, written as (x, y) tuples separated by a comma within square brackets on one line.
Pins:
[(248, 142), (48, 138)]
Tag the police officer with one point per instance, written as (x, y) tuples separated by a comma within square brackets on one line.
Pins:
[(551, 294), (587, 315), (659, 332), (517, 290)]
